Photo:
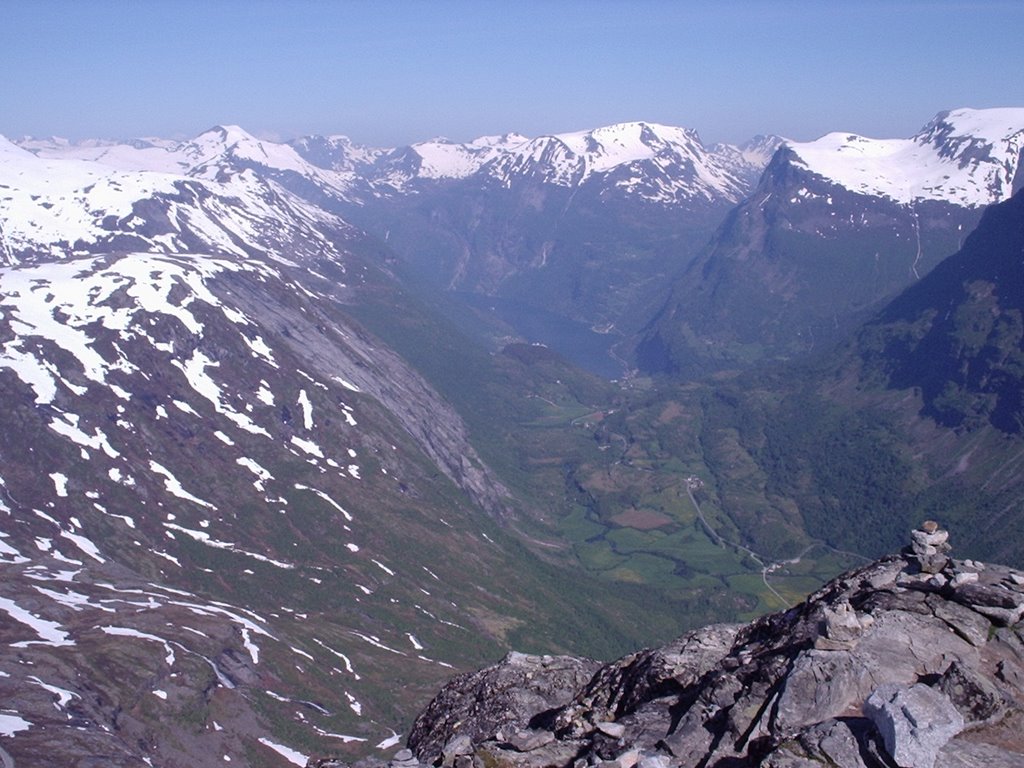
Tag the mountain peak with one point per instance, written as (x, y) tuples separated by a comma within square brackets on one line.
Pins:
[(210, 150), (223, 137), (228, 133), (627, 141)]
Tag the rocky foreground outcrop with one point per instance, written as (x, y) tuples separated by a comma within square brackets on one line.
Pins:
[(916, 660)]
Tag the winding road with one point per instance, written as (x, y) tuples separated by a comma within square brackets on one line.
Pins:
[(765, 569)]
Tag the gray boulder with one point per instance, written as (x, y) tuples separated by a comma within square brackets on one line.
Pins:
[(915, 722), (619, 688), (843, 743)]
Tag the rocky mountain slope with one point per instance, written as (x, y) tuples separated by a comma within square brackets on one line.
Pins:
[(917, 413), (956, 337), (941, 367), (914, 660), (220, 499), (228, 512), (834, 228)]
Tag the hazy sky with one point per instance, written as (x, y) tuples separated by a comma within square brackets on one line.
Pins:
[(389, 72)]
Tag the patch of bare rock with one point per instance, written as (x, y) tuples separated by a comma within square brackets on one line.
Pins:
[(914, 661)]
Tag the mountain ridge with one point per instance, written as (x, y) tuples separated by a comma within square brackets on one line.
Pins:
[(976, 143), (595, 151)]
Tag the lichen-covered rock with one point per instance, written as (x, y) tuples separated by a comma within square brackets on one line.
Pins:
[(974, 696), (498, 701)]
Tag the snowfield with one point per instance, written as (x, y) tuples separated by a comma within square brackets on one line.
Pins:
[(966, 157)]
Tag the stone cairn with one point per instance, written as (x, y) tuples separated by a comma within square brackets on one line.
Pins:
[(929, 545)]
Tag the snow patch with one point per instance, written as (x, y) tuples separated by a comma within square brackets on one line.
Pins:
[(175, 488), (325, 497), (50, 632), (292, 756), (308, 446), (60, 483), (307, 410), (391, 741), (12, 724)]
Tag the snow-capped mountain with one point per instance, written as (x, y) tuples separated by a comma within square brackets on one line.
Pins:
[(833, 228), (216, 149), (652, 162), (440, 159), (584, 224), (229, 516), (63, 201), (659, 163), (966, 157), (620, 155), (572, 222)]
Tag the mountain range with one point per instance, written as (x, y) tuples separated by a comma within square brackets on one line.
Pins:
[(547, 222), (278, 454)]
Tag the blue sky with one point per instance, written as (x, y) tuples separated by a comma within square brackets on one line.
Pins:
[(390, 72)]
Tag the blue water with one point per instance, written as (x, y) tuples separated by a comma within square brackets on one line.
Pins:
[(573, 340)]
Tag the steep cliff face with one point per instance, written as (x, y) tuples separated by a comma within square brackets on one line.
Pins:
[(914, 660), (958, 336), (834, 228)]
